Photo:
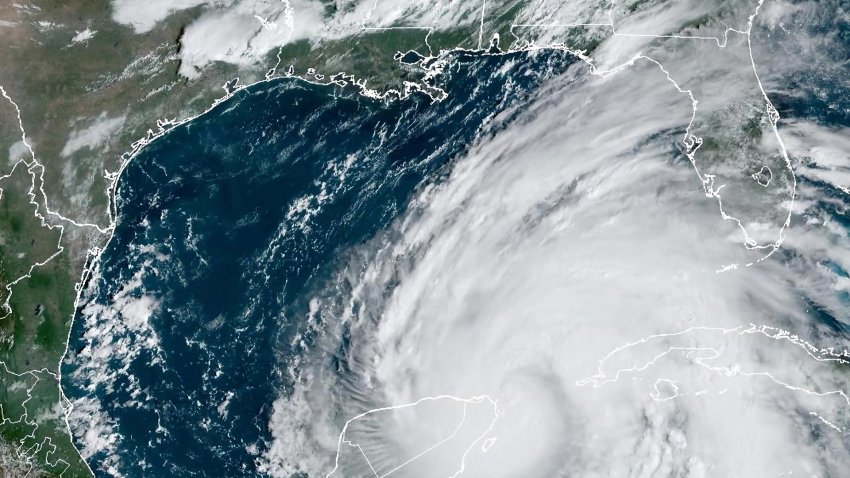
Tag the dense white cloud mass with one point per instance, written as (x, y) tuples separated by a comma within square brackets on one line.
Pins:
[(143, 16), (245, 32), (568, 270), (231, 31)]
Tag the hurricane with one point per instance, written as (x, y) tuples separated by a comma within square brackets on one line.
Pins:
[(630, 263)]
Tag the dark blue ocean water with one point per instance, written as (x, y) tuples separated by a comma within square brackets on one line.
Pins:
[(224, 222)]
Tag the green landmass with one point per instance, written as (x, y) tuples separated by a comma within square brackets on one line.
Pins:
[(34, 329)]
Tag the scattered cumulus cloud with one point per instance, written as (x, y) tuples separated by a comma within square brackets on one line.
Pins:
[(83, 36)]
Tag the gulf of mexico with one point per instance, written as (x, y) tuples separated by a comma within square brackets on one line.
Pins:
[(223, 225)]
